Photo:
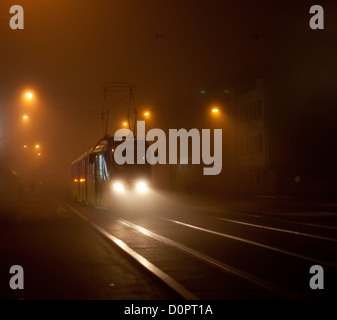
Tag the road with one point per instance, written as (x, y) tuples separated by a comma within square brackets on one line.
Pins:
[(206, 251)]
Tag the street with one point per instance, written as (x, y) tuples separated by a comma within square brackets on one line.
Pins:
[(170, 158), (207, 252)]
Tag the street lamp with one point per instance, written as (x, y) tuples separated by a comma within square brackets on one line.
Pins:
[(29, 95), (215, 110), (37, 146), (25, 117)]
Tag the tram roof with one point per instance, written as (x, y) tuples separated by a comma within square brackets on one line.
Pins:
[(98, 147)]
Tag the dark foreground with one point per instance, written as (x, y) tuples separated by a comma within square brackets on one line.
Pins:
[(214, 251)]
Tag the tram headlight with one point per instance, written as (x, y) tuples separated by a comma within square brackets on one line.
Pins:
[(141, 187), (118, 187)]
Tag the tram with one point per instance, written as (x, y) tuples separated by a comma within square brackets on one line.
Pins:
[(97, 178)]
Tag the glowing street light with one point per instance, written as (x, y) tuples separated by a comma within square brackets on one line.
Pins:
[(146, 114), (25, 117), (125, 124), (215, 110), (39, 154), (29, 95), (37, 146), (25, 146)]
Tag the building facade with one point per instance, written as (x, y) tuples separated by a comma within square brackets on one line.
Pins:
[(253, 170)]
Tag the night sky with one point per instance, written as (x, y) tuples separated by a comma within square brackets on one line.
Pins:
[(170, 50)]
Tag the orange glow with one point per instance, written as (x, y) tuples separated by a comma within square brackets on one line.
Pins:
[(25, 146), (215, 110), (39, 154), (125, 124), (25, 117), (82, 180), (146, 114), (29, 95), (37, 146), (75, 180)]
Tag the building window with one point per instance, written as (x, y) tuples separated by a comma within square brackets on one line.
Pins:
[(260, 143), (246, 147), (255, 144), (249, 112), (251, 144), (259, 108)]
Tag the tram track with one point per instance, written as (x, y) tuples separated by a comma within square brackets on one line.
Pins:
[(139, 259), (163, 276)]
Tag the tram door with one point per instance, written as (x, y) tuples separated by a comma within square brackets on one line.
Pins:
[(98, 178)]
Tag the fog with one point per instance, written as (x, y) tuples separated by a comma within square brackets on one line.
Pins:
[(170, 51)]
